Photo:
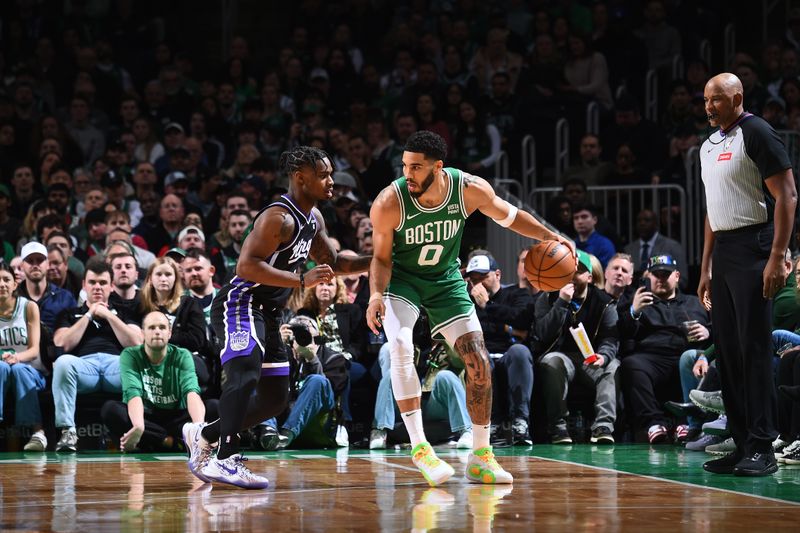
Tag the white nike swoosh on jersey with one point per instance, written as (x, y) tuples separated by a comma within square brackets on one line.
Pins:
[(409, 217)]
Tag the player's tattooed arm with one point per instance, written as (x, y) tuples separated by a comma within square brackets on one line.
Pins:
[(323, 252), (469, 179), (472, 350), (286, 229)]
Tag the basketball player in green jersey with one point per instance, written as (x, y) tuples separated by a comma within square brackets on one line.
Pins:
[(417, 225)]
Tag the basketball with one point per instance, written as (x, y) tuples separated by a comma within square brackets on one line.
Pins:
[(550, 265)]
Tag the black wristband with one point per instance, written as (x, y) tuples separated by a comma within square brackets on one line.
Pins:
[(302, 282)]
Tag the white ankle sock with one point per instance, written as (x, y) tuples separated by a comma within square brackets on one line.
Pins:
[(480, 436), (413, 422)]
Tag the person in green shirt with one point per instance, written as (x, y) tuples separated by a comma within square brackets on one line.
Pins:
[(160, 392)]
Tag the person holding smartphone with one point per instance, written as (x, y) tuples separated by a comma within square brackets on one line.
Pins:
[(654, 336)]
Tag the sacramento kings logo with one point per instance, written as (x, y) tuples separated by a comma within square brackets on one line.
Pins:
[(239, 340)]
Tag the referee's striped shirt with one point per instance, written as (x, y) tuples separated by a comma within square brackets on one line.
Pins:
[(734, 164)]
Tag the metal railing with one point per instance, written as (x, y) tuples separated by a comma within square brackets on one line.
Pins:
[(651, 95), (705, 52), (729, 46), (562, 147), (504, 244), (621, 204), (697, 206), (791, 139), (501, 165), (529, 177), (593, 118), (677, 67)]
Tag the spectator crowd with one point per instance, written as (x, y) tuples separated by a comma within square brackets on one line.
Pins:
[(130, 170)]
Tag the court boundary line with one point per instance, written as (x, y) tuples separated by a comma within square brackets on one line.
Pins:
[(676, 482)]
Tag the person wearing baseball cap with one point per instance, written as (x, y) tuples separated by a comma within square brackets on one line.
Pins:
[(191, 237), (502, 312), (653, 328), (50, 298), (482, 264), (564, 362)]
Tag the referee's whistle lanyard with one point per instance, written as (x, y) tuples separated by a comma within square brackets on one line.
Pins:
[(744, 116)]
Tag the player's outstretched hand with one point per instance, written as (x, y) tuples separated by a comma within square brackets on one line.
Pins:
[(375, 313), (317, 275), (566, 242)]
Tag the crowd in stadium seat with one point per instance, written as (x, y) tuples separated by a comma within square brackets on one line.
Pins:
[(131, 166)]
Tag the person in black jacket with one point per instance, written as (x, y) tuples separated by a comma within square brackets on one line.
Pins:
[(163, 291), (658, 328), (504, 313), (561, 362)]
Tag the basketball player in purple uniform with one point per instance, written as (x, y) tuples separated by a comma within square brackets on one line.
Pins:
[(245, 315)]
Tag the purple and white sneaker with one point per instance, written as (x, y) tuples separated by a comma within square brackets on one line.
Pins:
[(200, 450), (234, 472)]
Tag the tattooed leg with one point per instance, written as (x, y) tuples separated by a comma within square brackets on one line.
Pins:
[(472, 350)]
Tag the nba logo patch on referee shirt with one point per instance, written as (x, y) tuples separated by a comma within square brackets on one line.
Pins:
[(725, 156)]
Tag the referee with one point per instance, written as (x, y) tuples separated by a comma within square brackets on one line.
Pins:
[(751, 200)]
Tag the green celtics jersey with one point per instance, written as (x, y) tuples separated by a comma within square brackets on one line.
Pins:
[(428, 240)]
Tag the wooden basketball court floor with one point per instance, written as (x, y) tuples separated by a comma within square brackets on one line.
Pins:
[(574, 488)]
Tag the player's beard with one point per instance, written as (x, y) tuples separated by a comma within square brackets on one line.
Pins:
[(424, 186)]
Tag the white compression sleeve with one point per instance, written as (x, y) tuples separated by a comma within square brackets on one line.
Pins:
[(399, 324)]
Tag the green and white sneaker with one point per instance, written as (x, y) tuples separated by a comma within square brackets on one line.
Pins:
[(433, 469), (482, 467)]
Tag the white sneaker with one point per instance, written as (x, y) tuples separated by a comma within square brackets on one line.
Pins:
[(465, 440), (433, 469), (377, 439), (482, 467), (342, 438), (234, 472), (38, 442), (68, 441), (788, 450), (200, 450)]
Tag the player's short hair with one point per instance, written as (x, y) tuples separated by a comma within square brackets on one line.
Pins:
[(427, 143), (302, 156)]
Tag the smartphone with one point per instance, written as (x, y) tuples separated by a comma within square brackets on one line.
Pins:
[(645, 282)]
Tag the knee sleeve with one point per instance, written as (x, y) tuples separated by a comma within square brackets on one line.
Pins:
[(405, 382)]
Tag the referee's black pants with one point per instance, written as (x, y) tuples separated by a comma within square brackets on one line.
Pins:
[(742, 323)]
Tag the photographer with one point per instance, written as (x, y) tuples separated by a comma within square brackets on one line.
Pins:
[(318, 376)]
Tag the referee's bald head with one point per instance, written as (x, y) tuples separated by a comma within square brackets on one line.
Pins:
[(724, 99), (728, 82)]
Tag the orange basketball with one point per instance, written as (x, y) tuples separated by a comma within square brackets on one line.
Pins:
[(550, 265)]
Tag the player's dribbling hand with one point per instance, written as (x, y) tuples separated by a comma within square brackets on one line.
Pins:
[(568, 243), (375, 313), (318, 274)]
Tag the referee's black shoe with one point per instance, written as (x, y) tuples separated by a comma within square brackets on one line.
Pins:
[(756, 464), (723, 465)]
